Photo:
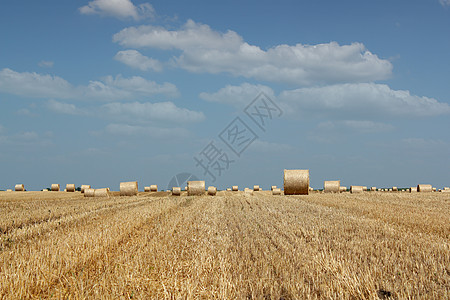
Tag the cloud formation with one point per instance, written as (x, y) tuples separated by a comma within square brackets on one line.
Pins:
[(35, 85), (121, 9), (46, 64), (444, 2), (208, 51), (135, 59)]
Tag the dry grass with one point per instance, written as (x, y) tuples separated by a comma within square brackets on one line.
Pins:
[(232, 246)]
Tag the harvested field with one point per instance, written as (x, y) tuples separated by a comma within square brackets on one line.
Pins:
[(231, 246)]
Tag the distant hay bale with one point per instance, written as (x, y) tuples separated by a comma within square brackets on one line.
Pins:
[(228, 189), (296, 182), (55, 187), (446, 188), (373, 189), (434, 189), (342, 189), (89, 192), (395, 189), (101, 192), (276, 191), (153, 188), (19, 188), (248, 191), (332, 186), (273, 187), (146, 189), (196, 187), (256, 188), (85, 186), (45, 190), (70, 187), (356, 189), (235, 188), (364, 188), (9, 190), (424, 188), (390, 190), (212, 190), (128, 188), (176, 191), (412, 189)]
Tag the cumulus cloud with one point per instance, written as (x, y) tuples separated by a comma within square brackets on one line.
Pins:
[(46, 64), (205, 50), (122, 9), (135, 59), (146, 131), (444, 2), (360, 99), (161, 111), (63, 108), (238, 96), (109, 88)]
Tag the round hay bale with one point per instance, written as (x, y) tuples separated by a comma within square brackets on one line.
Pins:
[(55, 187), (89, 192), (128, 188), (364, 188), (256, 188), (356, 189), (434, 189), (373, 189), (446, 188), (45, 190), (424, 188), (273, 187), (101, 192), (412, 189), (85, 186), (228, 189), (342, 189), (9, 190), (146, 189), (390, 190), (196, 187), (276, 191), (235, 188), (212, 190), (332, 186), (70, 187), (395, 189), (296, 182), (153, 188), (19, 188), (176, 191)]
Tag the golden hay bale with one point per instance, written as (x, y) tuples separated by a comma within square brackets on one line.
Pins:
[(296, 182), (19, 188), (196, 187), (276, 191), (176, 191), (146, 189), (101, 192), (128, 188), (390, 190), (235, 188), (412, 189), (55, 187), (70, 187), (89, 192), (434, 189), (395, 189), (153, 188), (364, 188), (373, 189), (248, 191), (427, 188), (332, 186), (212, 190), (228, 189), (9, 190), (446, 188), (85, 186), (256, 188), (342, 189), (356, 189), (45, 190), (273, 187)]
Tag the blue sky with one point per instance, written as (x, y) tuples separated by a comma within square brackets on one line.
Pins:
[(104, 91)]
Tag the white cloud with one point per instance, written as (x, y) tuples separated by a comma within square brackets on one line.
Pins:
[(23, 139), (355, 126), (161, 111), (363, 100), (206, 50), (146, 131), (63, 108), (238, 96), (110, 88), (136, 60), (122, 9), (46, 64), (444, 2)]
